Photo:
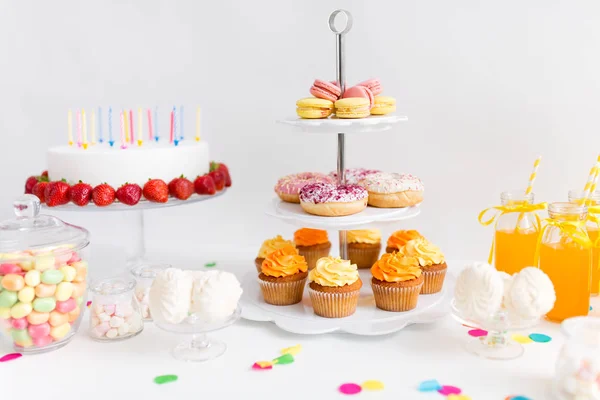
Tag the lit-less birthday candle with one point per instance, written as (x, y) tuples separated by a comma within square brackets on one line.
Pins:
[(132, 133), (123, 129), (156, 134), (172, 127), (198, 124), (85, 142), (100, 133), (181, 131), (149, 125), (70, 122), (126, 123), (79, 129), (110, 135), (93, 128), (140, 140), (175, 127)]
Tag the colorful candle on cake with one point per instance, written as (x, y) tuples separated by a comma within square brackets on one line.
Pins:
[(123, 129), (149, 125), (110, 135), (175, 127), (93, 128), (70, 122), (156, 133), (172, 127), (125, 121), (198, 124), (132, 133), (181, 131), (79, 129), (140, 139), (85, 142), (100, 133)]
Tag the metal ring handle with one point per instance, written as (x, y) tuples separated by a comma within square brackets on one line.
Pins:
[(348, 22)]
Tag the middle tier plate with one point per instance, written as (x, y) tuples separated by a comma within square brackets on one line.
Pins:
[(295, 215)]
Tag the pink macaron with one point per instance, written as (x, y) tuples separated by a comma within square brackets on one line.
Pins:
[(325, 90), (360, 91), (373, 85)]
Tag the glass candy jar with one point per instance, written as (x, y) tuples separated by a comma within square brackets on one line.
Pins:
[(144, 276), (115, 313), (592, 226), (43, 278)]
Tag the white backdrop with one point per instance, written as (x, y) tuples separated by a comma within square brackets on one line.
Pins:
[(487, 86)]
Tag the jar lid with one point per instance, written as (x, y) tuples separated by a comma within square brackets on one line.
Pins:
[(34, 233), (148, 271), (113, 286)]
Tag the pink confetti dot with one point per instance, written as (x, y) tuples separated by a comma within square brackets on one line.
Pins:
[(10, 357), (350, 388), (477, 332), (448, 390), (257, 366)]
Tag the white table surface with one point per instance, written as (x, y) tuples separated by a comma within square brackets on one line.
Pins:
[(401, 361)]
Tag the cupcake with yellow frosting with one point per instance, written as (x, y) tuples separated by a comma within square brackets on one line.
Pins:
[(269, 246), (312, 244), (432, 263), (334, 287), (283, 276), (364, 246), (398, 239), (397, 282)]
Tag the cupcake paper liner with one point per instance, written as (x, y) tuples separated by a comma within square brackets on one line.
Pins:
[(396, 298), (312, 255), (364, 258), (282, 293), (334, 305), (433, 281)]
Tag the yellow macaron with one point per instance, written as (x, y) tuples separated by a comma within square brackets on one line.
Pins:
[(312, 108), (352, 107), (383, 105)]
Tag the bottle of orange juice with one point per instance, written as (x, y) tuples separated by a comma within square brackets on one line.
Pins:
[(565, 255), (592, 225), (517, 230)]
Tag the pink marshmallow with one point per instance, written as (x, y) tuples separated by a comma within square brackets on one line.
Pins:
[(66, 306), (101, 329), (6, 269), (39, 331), (20, 323), (110, 309), (42, 341), (63, 258), (74, 258)]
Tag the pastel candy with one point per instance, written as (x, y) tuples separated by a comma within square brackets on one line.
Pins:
[(100, 330), (20, 323), (26, 265), (59, 332), (74, 258), (63, 258), (33, 278), (66, 306), (112, 333), (13, 282), (36, 318), (25, 344), (123, 329), (69, 273), (81, 268), (44, 290), (110, 309), (4, 312), (8, 299), (58, 318), (52, 277), (78, 289), (39, 331), (6, 269), (20, 335), (79, 300), (45, 304), (27, 294), (64, 290), (116, 322), (73, 315), (44, 262), (42, 341), (20, 310)]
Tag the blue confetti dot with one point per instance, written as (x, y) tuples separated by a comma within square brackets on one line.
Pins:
[(519, 398), (429, 386), (591, 308), (540, 338)]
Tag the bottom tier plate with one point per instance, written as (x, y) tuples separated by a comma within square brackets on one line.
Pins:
[(368, 319)]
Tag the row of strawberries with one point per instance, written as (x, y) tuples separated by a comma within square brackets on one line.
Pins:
[(59, 193)]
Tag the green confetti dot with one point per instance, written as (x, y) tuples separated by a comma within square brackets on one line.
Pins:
[(159, 380), (284, 359), (210, 264)]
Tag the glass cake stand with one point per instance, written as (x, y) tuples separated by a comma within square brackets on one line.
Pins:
[(199, 347)]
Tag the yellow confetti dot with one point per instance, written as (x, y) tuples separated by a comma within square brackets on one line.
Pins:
[(372, 385), (294, 350), (458, 397), (264, 364), (521, 339)]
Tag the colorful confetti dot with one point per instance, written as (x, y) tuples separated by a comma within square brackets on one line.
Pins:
[(448, 390), (517, 398), (162, 379), (477, 332), (372, 385), (521, 339), (88, 304), (540, 338), (10, 357), (429, 386), (210, 264), (349, 388), (284, 359), (294, 350), (262, 365), (591, 308), (458, 397)]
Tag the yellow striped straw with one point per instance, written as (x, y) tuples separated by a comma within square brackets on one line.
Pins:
[(84, 119), (70, 122), (198, 124), (590, 185), (533, 175)]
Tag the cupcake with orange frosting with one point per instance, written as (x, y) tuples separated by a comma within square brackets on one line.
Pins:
[(283, 276), (312, 244), (399, 238), (432, 263), (334, 287), (364, 246), (397, 282), (269, 246)]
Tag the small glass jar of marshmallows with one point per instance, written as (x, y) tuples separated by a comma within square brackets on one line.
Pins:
[(115, 312), (144, 275)]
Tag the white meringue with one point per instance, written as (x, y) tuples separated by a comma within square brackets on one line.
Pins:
[(170, 296), (531, 294), (215, 295), (479, 291)]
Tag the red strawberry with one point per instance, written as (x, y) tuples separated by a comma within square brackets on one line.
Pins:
[(57, 193), (45, 175), (205, 185), (214, 166), (219, 179), (30, 183), (181, 188), (156, 190), (103, 195), (129, 193), (81, 194), (40, 190)]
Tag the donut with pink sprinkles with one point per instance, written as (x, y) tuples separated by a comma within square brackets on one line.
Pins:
[(288, 187)]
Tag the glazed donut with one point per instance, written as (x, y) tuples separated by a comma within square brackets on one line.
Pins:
[(288, 187), (391, 190), (354, 175), (329, 200)]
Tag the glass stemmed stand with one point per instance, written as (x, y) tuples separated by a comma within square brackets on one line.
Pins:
[(199, 347), (496, 345)]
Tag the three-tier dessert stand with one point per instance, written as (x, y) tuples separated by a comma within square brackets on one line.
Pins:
[(368, 320)]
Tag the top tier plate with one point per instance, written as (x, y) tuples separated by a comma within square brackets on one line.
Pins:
[(338, 125)]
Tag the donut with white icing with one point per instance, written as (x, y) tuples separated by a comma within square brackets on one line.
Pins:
[(288, 187), (391, 190), (354, 175), (329, 200)]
